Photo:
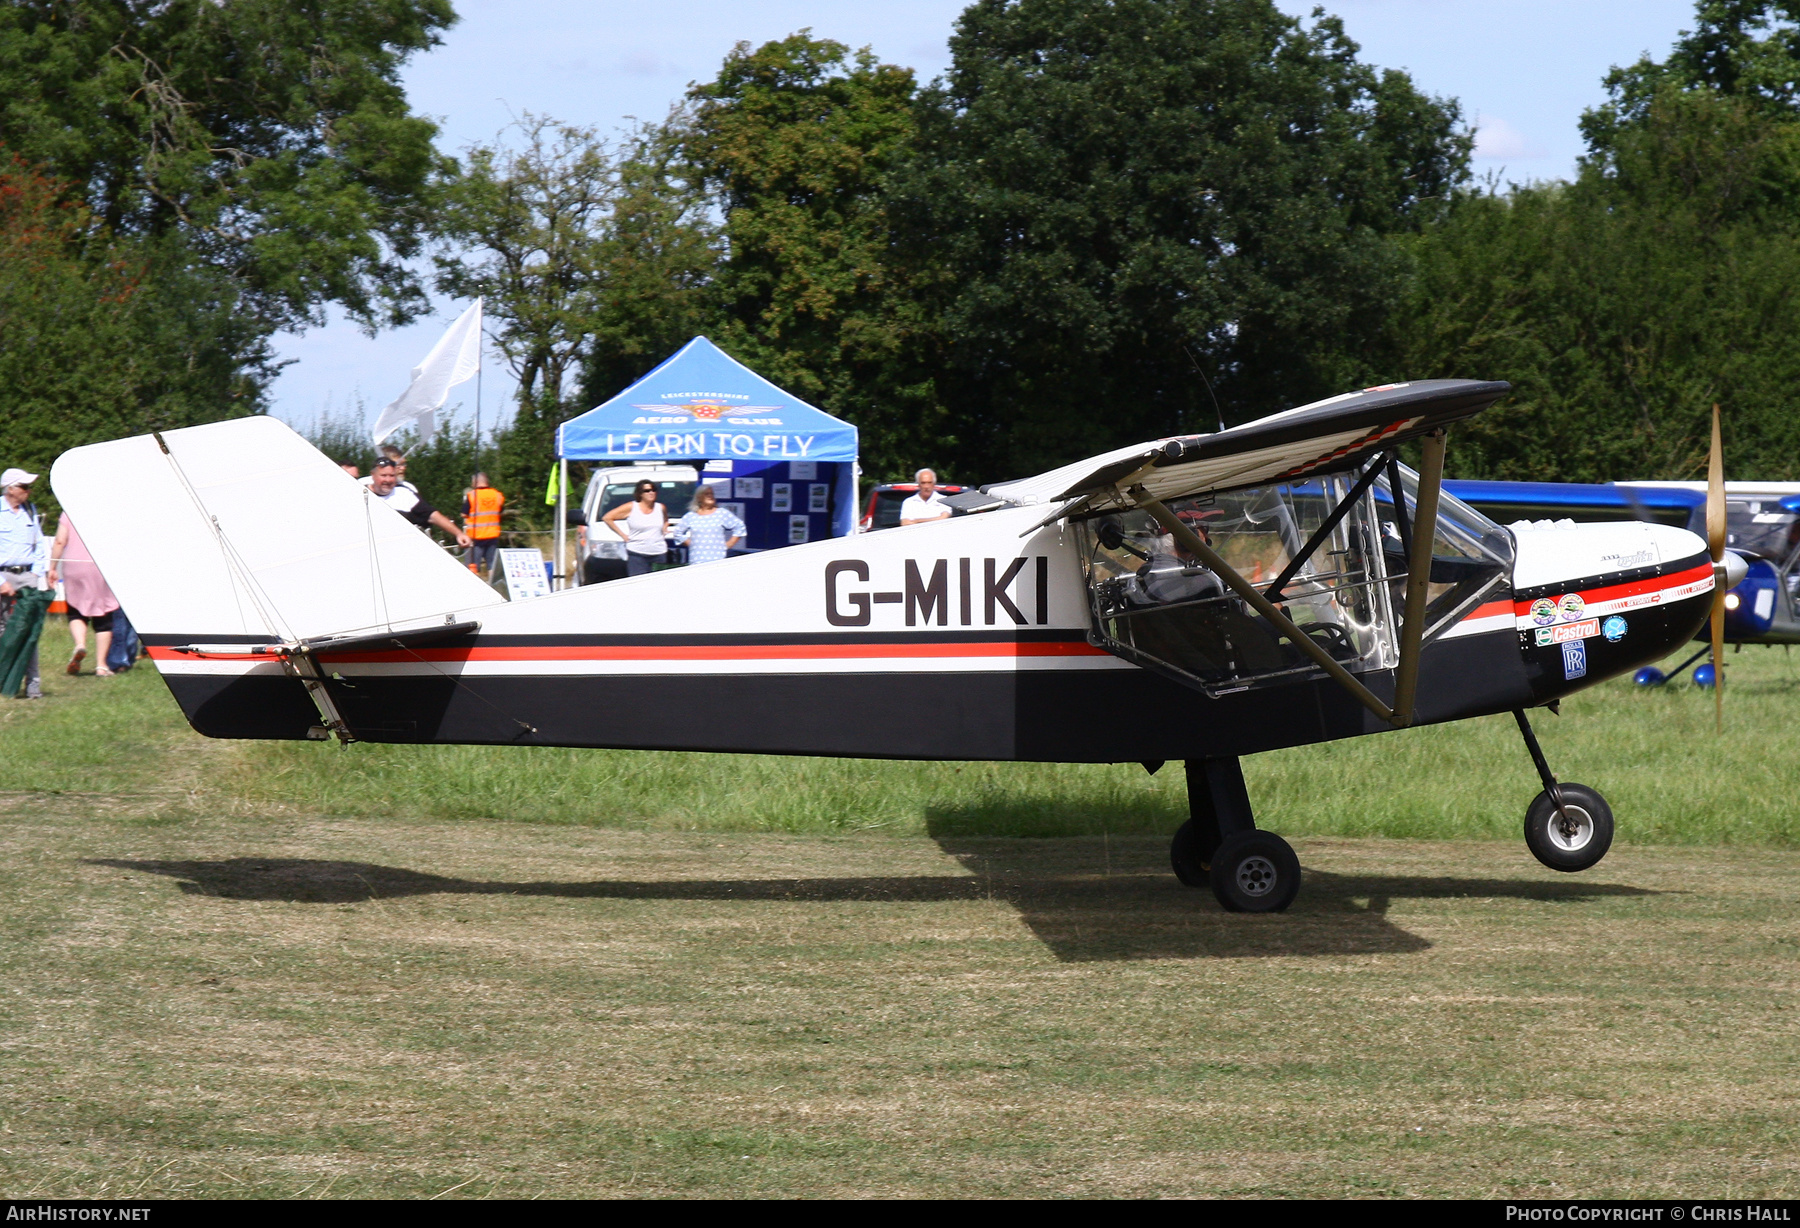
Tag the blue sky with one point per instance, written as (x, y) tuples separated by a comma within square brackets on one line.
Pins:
[(1524, 70)]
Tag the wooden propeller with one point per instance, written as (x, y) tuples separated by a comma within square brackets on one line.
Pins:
[(1715, 544)]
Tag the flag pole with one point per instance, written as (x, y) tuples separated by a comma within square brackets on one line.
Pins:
[(479, 338), (562, 520)]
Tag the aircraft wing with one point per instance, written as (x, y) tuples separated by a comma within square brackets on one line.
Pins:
[(1326, 436)]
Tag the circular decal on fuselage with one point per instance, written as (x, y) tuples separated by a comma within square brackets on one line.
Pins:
[(1614, 629), (1543, 611), (1573, 607)]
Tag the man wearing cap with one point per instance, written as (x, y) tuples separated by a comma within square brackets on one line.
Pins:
[(24, 553), (385, 484)]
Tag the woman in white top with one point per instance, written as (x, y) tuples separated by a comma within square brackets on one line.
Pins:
[(644, 524)]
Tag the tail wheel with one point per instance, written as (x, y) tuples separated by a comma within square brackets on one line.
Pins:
[(1190, 853), (1255, 871), (1575, 839)]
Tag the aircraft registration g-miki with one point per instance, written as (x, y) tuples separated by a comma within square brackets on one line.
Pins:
[(1200, 598)]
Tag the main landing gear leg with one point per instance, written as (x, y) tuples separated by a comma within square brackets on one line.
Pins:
[(1220, 847), (1568, 826)]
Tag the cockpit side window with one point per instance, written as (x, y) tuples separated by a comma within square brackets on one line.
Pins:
[(1160, 606), (1471, 556), (1764, 529), (1156, 604)]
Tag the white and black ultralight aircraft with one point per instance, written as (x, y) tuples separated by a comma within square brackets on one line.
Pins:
[(1197, 598)]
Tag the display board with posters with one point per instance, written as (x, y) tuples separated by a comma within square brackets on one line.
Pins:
[(527, 574)]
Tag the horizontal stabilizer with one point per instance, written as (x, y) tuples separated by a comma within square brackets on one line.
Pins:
[(327, 645)]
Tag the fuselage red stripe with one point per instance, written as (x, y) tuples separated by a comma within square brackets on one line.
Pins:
[(1594, 596)]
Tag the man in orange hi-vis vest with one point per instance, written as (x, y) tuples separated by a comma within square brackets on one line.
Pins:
[(481, 521)]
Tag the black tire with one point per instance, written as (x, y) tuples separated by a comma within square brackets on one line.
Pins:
[(597, 569), (1190, 853), (1569, 850), (1255, 871)]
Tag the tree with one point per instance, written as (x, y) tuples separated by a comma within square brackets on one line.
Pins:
[(102, 337), (662, 249), (270, 139), (1721, 56), (1624, 304), (794, 142), (1113, 195), (568, 237)]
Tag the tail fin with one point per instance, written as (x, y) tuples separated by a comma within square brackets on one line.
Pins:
[(242, 529)]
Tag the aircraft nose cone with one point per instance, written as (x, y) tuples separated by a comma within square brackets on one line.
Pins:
[(1731, 570)]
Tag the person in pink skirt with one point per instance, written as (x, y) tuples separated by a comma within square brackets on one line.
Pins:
[(86, 593)]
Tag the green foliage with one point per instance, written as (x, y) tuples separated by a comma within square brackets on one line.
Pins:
[(570, 237), (271, 137), (1115, 193), (795, 140), (1722, 55), (663, 248), (1624, 304), (102, 337), (197, 176)]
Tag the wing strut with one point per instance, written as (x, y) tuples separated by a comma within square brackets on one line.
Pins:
[(1418, 582), (1191, 542), (1418, 574)]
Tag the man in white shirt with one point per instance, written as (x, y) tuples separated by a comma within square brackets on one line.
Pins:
[(24, 555), (385, 484), (927, 504)]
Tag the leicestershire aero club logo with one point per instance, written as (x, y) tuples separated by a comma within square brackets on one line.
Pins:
[(702, 410)]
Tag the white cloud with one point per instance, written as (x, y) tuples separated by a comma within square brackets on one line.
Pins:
[(646, 64), (1495, 138)]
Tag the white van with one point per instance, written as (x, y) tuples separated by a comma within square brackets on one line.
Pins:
[(604, 558)]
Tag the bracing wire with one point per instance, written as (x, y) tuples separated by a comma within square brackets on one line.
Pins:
[(528, 728), (265, 605), (377, 582)]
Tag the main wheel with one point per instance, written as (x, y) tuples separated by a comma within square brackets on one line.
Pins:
[(1255, 871), (1574, 842), (1190, 853)]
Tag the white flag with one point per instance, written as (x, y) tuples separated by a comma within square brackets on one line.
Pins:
[(455, 358)]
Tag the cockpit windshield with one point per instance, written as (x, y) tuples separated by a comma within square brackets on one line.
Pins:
[(1467, 553), (1762, 528), (1342, 573)]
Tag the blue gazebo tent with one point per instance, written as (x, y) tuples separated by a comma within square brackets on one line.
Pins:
[(771, 449)]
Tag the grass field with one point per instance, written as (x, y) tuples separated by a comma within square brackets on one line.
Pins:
[(236, 969)]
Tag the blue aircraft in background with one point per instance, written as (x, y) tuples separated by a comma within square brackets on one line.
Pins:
[(1762, 527)]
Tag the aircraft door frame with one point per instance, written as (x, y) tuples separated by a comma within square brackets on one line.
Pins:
[(1165, 612)]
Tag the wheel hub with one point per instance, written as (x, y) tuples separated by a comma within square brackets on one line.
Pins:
[(1256, 876), (1571, 830)]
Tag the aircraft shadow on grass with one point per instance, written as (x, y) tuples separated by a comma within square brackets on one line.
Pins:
[(1084, 899)]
